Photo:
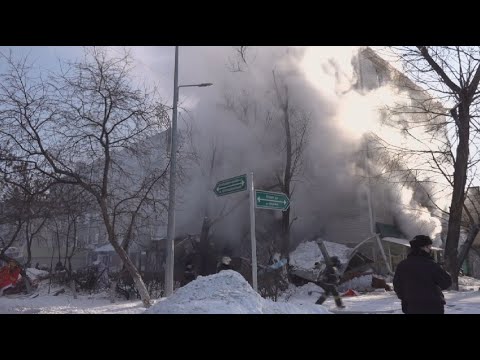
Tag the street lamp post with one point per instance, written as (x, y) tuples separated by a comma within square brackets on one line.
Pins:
[(171, 194)]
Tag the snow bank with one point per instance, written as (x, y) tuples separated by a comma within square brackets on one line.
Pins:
[(36, 274), (308, 293), (466, 283), (225, 293)]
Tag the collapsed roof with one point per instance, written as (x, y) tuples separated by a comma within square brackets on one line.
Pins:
[(304, 257), (404, 242)]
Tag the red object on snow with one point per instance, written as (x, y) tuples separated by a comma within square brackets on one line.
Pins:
[(350, 292), (9, 276)]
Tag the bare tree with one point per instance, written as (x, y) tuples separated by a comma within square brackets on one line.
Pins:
[(471, 222), (22, 219), (295, 124), (68, 205), (89, 126), (289, 124), (208, 163), (444, 105), (239, 62), (25, 201)]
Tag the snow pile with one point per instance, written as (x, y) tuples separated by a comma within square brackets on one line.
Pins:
[(225, 293), (308, 293), (361, 283), (466, 283), (47, 287), (308, 253), (35, 274)]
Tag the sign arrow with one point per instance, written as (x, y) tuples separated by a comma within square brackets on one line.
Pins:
[(271, 200), (230, 186)]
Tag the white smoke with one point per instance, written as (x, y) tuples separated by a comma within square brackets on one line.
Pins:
[(321, 82), (414, 219), (359, 114)]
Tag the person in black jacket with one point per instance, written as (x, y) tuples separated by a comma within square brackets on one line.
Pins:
[(329, 282), (419, 280)]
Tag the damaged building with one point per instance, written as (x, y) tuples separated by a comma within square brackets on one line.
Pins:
[(357, 222), (367, 224)]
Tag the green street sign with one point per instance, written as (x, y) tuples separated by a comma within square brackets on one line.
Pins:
[(271, 200), (230, 186)]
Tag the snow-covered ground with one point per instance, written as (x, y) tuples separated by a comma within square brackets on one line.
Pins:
[(66, 304), (362, 283), (228, 293), (466, 301), (42, 300), (377, 301)]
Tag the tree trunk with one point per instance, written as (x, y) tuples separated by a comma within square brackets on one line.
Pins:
[(137, 278), (74, 246), (59, 248), (29, 246), (73, 288), (286, 181), (285, 233), (67, 238), (113, 287), (474, 229), (204, 246), (458, 195)]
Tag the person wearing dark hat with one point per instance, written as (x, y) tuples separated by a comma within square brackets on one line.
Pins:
[(419, 280)]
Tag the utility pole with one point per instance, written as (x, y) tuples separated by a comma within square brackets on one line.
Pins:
[(171, 191), (252, 233), (169, 266)]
